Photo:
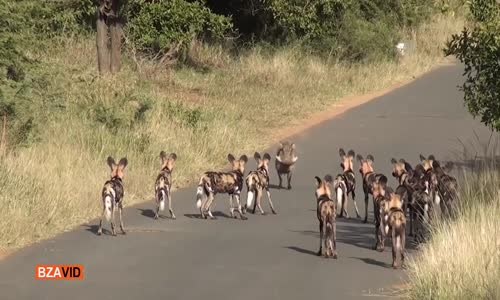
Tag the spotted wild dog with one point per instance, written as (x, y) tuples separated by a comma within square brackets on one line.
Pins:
[(369, 177), (112, 195), (231, 183), (286, 157), (447, 188), (345, 183), (258, 181), (431, 177), (380, 192), (395, 223), (326, 212), (163, 184), (402, 171), (421, 199)]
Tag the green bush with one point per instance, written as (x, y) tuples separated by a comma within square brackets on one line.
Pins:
[(478, 47)]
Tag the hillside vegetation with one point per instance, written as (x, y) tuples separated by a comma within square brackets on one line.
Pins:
[(216, 86)]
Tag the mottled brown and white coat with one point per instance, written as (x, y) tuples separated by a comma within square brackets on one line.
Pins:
[(369, 178), (112, 195), (163, 184), (231, 183), (345, 183), (257, 181), (326, 213)]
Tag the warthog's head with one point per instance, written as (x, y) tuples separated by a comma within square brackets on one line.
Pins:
[(286, 153)]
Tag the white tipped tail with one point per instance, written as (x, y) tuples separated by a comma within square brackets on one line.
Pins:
[(107, 207), (339, 196), (249, 199), (199, 196), (162, 201), (437, 199)]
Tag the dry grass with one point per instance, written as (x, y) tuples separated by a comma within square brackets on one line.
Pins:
[(462, 259), (197, 112)]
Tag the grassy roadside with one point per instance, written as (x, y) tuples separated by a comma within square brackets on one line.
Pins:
[(223, 104), (462, 259)]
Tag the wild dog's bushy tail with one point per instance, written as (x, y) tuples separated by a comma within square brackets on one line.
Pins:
[(109, 195), (250, 181), (163, 198), (200, 192)]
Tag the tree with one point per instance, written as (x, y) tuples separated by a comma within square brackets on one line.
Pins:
[(109, 36), (478, 47)]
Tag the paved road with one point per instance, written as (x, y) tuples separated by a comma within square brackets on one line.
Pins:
[(269, 257)]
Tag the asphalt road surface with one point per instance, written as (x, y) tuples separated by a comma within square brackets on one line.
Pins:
[(265, 257)]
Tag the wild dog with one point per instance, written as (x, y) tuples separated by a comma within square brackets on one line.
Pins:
[(402, 171), (112, 195), (286, 157), (380, 192), (258, 181), (163, 184), (431, 177), (395, 222), (421, 199), (326, 211), (369, 177), (345, 183), (447, 188), (212, 183)]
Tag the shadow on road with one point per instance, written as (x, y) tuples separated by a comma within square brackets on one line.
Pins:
[(301, 250), (93, 229), (147, 212), (216, 214), (373, 262)]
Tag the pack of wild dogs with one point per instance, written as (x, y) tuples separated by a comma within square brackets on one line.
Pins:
[(420, 190)]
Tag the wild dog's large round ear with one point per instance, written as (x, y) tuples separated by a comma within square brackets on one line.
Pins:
[(393, 161), (123, 163), (244, 158), (351, 154), (280, 143), (267, 156), (318, 181), (163, 156), (422, 158), (172, 156), (111, 162), (230, 158), (341, 153), (383, 181), (328, 179), (370, 159), (359, 157), (256, 156), (431, 157)]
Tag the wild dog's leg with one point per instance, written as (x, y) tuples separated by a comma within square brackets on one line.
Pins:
[(270, 202), (172, 215), (412, 217), (381, 236), (113, 208), (99, 231), (157, 201), (327, 237), (289, 177), (209, 204), (255, 201), (281, 180), (259, 201), (366, 206), (120, 208), (395, 247), (344, 204), (377, 228), (238, 205), (231, 208), (402, 245), (334, 237), (320, 252), (202, 207), (355, 204)]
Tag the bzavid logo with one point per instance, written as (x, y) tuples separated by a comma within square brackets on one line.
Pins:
[(59, 272)]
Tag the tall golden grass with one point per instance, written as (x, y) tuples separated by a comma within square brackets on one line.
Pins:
[(200, 112), (462, 258)]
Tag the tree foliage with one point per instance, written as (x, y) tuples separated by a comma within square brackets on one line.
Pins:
[(478, 47)]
